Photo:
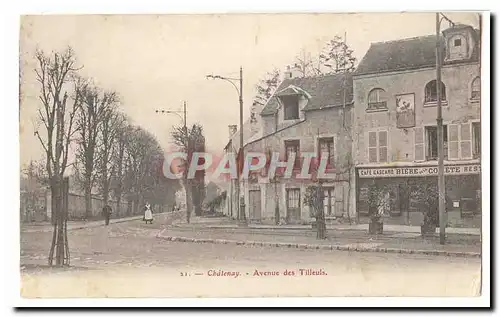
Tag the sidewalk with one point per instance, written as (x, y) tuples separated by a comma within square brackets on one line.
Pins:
[(226, 223), (353, 241), (76, 225)]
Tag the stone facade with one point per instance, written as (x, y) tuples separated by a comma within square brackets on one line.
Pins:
[(392, 150), (311, 125)]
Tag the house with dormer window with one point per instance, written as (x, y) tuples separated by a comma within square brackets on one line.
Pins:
[(395, 98), (305, 115)]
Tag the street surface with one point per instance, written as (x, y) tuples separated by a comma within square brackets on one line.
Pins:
[(127, 260)]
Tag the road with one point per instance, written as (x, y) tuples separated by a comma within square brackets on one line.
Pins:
[(126, 260)]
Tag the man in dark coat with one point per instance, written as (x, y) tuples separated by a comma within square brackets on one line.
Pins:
[(106, 211)]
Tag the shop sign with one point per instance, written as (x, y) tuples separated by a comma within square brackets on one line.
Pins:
[(418, 171)]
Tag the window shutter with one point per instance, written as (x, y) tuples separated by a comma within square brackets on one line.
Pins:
[(465, 141), (382, 146), (419, 144), (372, 147), (453, 141)]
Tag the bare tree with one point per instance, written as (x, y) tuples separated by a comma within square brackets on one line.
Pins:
[(118, 159), (141, 154), (60, 99), (93, 123), (195, 141), (337, 57), (111, 126), (265, 89)]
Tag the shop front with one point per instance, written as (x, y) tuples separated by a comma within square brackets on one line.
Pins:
[(463, 193)]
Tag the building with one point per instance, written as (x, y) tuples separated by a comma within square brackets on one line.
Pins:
[(309, 114), (395, 124), (251, 128)]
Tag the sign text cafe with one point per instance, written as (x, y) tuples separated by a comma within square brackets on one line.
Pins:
[(418, 171)]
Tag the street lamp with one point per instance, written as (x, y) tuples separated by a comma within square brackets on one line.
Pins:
[(186, 137), (441, 181), (241, 205)]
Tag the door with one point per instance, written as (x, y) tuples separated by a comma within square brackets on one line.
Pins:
[(254, 202), (293, 205)]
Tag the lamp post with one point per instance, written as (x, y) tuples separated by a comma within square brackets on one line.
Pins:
[(186, 139), (233, 81), (441, 180)]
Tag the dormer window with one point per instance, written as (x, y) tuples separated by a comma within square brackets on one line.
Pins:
[(290, 107), (457, 47)]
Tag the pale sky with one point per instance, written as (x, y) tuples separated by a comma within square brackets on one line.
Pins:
[(159, 61)]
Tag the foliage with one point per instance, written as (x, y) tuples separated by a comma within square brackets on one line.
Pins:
[(427, 193), (191, 140), (377, 201), (265, 89), (218, 201), (337, 57)]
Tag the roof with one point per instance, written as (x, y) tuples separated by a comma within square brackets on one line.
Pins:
[(322, 91), (410, 53)]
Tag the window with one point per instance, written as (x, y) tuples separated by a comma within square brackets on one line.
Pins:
[(377, 99), (431, 92), (293, 146), (325, 145), (290, 107), (329, 202), (377, 147), (432, 142), (457, 48), (476, 139), (476, 89)]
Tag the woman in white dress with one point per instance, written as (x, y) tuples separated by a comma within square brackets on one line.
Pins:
[(148, 213)]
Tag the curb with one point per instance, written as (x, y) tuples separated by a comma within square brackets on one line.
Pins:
[(95, 225), (319, 246), (307, 228)]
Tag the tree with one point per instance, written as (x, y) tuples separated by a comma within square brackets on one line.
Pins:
[(313, 198), (337, 57), (91, 117), (141, 151), (306, 64), (265, 89), (118, 159), (60, 99), (190, 141), (112, 123)]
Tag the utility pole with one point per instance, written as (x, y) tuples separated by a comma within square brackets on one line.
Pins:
[(186, 143), (240, 200), (441, 180), (242, 203)]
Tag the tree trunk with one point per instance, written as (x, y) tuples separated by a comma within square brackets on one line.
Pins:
[(188, 203), (320, 215), (118, 205), (58, 243), (88, 200), (349, 198), (129, 207)]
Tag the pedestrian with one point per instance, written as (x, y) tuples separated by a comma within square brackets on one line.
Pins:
[(106, 211), (148, 213)]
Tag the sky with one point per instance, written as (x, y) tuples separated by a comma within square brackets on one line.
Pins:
[(159, 61)]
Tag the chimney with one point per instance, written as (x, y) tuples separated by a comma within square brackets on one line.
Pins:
[(233, 128), (293, 72)]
